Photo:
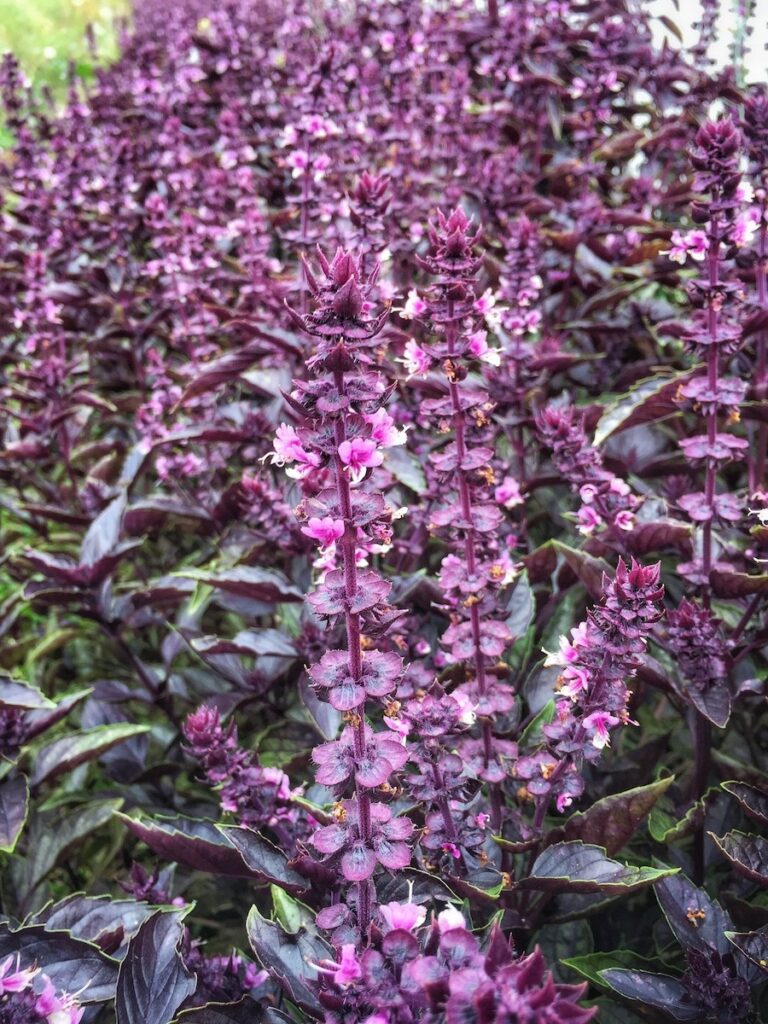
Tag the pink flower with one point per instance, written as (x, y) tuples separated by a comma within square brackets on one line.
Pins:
[(598, 723), (449, 919), (576, 681), (567, 654), (406, 916), (485, 303), (745, 227), (359, 455), (482, 820), (588, 519), (562, 801), (468, 714), (414, 306), (453, 849), (383, 429), (478, 346), (619, 486), (693, 244), (326, 531), (298, 161), (17, 980), (349, 970), (58, 1009), (625, 520), (288, 448), (508, 493), (588, 493), (416, 360)]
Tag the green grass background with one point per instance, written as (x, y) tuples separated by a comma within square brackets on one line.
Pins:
[(47, 34)]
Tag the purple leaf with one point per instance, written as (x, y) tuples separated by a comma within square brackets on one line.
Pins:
[(104, 532), (153, 980), (754, 801), (612, 821), (577, 867), (249, 581), (14, 806), (289, 958), (88, 917), (66, 753), (15, 694), (754, 946), (747, 853), (696, 921), (738, 584), (244, 1011), (646, 402), (262, 858), (72, 964), (659, 990), (193, 842)]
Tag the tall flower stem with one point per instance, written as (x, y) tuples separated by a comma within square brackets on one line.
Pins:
[(353, 631), (757, 462), (470, 556), (712, 379)]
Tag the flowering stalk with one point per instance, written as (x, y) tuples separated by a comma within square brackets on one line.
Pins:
[(343, 432), (755, 127), (603, 654), (716, 160), (259, 797), (472, 576), (440, 971), (607, 503)]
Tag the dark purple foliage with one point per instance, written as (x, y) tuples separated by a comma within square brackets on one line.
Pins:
[(383, 453)]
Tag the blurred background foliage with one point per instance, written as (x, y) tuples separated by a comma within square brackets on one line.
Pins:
[(47, 34)]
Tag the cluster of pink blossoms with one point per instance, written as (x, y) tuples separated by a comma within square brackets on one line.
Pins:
[(28, 995)]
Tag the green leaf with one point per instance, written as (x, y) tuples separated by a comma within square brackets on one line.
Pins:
[(590, 965), (290, 913), (532, 735), (67, 752)]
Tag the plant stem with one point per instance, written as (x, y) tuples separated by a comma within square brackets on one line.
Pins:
[(355, 656), (757, 462), (470, 555), (712, 380)]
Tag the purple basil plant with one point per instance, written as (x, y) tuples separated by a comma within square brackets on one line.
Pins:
[(383, 476)]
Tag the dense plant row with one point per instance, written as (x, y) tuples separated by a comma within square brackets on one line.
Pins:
[(384, 498)]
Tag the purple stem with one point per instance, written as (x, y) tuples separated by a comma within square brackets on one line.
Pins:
[(470, 555), (757, 462), (355, 657), (305, 183), (712, 375)]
